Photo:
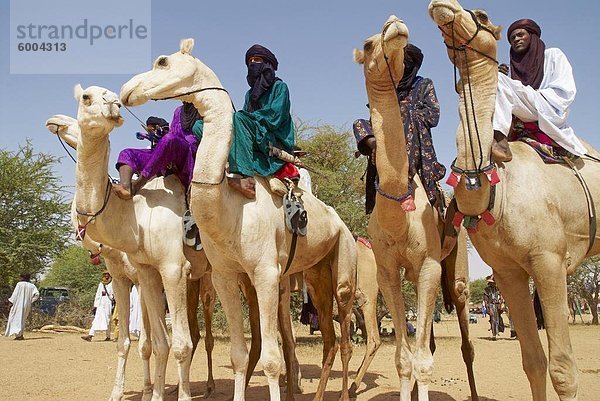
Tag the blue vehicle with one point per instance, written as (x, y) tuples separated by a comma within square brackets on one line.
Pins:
[(51, 297)]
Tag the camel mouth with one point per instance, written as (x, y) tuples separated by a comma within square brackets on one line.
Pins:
[(442, 13)]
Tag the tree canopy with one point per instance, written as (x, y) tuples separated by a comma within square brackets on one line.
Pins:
[(33, 213), (585, 283)]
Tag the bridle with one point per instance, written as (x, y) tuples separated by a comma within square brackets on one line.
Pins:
[(473, 181), (460, 50), (409, 192)]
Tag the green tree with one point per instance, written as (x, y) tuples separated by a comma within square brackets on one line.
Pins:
[(33, 213), (476, 288), (585, 283), (335, 172), (72, 269)]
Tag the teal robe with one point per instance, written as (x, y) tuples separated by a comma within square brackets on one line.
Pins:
[(254, 131)]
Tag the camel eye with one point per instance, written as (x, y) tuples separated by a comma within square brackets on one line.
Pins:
[(483, 18), (162, 62), (86, 97)]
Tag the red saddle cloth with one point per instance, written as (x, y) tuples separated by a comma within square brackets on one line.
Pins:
[(531, 134)]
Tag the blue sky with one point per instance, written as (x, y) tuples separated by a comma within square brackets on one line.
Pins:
[(313, 41)]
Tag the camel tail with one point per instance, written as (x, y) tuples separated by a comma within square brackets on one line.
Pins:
[(448, 304)]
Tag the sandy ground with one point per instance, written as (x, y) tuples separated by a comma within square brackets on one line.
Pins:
[(63, 367)]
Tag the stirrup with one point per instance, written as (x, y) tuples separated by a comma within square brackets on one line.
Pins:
[(296, 218), (191, 234)]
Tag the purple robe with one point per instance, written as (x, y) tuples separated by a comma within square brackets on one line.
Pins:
[(175, 153)]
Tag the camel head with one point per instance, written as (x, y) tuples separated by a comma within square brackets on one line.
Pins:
[(67, 128), (98, 109), (391, 43), (170, 76), (460, 26)]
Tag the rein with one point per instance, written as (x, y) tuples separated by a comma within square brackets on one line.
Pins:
[(460, 51), (81, 228), (408, 193)]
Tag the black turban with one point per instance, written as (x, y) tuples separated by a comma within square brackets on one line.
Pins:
[(261, 51), (528, 67), (161, 122), (413, 58), (261, 76)]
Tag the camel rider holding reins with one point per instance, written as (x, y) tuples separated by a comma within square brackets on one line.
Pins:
[(173, 151), (264, 122), (420, 111), (533, 103)]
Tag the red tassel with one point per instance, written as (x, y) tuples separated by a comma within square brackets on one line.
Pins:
[(493, 177), (453, 179), (408, 204), (95, 259), (488, 218), (458, 218), (80, 233)]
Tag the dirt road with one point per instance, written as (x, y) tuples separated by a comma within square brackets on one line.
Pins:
[(63, 367)]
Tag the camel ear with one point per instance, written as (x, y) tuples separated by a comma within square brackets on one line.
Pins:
[(186, 46), (359, 56), (498, 32), (78, 92)]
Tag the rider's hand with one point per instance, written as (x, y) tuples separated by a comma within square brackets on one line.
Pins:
[(503, 68)]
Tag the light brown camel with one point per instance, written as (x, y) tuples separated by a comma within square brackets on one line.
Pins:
[(406, 230), (243, 236), (149, 235), (539, 221), (124, 275)]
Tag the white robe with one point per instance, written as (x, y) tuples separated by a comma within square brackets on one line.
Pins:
[(549, 105), (22, 297), (305, 179), (134, 311), (103, 305)]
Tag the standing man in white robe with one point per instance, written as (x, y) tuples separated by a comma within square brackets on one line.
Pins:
[(22, 298), (134, 312), (540, 90), (103, 304)]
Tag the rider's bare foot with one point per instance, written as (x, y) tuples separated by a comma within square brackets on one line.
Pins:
[(122, 191), (246, 186)]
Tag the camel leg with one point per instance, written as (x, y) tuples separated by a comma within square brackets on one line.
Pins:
[(319, 284), (287, 336), (121, 287), (369, 309), (226, 285), (514, 286), (150, 282), (209, 296), (427, 286), (266, 283), (145, 347), (254, 317), (175, 282), (193, 298), (456, 265), (389, 281), (551, 281)]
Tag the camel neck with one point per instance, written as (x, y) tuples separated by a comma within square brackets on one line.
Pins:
[(391, 155), (210, 190), (91, 173)]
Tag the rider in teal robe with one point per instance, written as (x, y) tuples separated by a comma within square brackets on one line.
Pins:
[(265, 119)]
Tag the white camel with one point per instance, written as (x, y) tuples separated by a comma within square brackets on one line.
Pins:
[(243, 236), (148, 229)]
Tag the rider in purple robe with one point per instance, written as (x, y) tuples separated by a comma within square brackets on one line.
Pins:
[(172, 153)]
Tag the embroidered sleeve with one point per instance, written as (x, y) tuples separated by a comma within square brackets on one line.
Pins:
[(427, 104)]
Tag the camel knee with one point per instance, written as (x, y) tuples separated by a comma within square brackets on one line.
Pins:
[(423, 367), (161, 350), (564, 378), (182, 350), (535, 367), (345, 296), (123, 347), (145, 349), (272, 366)]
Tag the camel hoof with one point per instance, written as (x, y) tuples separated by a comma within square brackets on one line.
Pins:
[(209, 392), (352, 390), (147, 395), (344, 396), (116, 396)]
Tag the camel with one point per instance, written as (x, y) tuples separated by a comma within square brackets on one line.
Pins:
[(148, 229), (541, 233), (243, 236), (123, 273), (405, 229)]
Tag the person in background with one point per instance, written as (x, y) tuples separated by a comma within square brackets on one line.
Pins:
[(103, 305), (23, 296)]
